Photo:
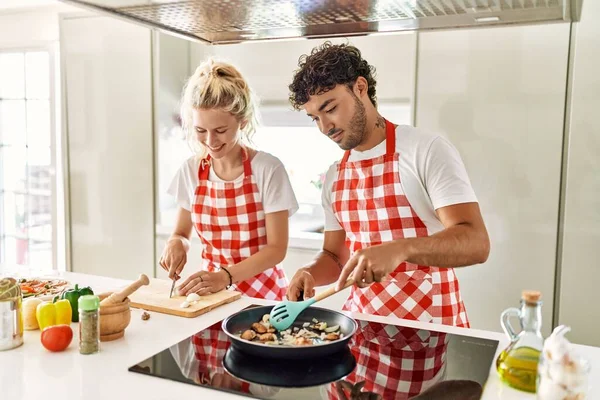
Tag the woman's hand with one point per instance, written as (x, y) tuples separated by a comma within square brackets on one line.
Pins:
[(174, 257), (204, 283)]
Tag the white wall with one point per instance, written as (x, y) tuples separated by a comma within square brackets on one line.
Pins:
[(30, 27), (581, 251), (269, 66), (499, 95)]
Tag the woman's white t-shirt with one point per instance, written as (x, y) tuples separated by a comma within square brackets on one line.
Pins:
[(432, 176), (273, 183)]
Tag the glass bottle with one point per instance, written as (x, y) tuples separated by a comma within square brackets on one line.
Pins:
[(517, 365), (89, 324)]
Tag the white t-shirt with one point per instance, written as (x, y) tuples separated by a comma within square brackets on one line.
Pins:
[(432, 176), (273, 183)]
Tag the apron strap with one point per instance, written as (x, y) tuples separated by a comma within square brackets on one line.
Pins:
[(390, 137), (390, 144), (204, 168), (246, 160)]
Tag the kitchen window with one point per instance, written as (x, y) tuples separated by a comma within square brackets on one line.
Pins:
[(27, 184)]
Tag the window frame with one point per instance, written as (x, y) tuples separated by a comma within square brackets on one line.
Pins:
[(51, 50)]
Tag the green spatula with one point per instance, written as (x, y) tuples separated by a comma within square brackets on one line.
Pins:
[(285, 313)]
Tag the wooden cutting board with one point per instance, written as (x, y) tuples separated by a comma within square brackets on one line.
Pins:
[(155, 297)]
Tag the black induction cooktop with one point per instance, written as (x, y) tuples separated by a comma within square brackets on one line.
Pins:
[(381, 362)]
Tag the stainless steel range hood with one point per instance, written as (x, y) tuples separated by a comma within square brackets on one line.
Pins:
[(231, 21)]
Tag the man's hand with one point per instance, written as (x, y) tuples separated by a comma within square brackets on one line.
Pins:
[(372, 264), (302, 283)]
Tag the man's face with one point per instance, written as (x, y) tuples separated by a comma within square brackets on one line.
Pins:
[(340, 115)]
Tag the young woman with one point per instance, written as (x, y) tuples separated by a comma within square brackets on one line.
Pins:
[(237, 199)]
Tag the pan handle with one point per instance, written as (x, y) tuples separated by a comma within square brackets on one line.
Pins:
[(326, 293)]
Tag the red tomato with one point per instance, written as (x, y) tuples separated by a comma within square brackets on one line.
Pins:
[(57, 337)]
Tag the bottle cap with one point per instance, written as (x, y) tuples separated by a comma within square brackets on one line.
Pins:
[(89, 302), (531, 296)]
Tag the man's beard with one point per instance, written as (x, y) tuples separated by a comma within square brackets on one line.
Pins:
[(357, 131)]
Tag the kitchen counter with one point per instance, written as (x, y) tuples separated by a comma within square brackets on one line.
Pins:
[(32, 372)]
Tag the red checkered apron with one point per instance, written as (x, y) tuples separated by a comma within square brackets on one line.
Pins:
[(370, 204), (230, 220), (210, 346)]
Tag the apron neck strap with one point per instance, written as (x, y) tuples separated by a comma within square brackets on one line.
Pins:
[(205, 165), (247, 162), (390, 141), (390, 138)]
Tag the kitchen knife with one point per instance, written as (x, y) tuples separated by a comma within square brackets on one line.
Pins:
[(172, 287)]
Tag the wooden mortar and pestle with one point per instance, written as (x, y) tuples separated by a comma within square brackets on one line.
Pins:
[(115, 313)]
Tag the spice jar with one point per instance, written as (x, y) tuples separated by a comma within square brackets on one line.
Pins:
[(89, 324), (11, 314)]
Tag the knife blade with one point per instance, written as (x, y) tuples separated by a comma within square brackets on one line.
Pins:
[(172, 287)]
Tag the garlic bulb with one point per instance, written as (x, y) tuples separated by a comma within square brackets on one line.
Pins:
[(563, 374)]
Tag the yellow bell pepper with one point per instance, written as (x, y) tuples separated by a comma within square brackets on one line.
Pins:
[(55, 313)]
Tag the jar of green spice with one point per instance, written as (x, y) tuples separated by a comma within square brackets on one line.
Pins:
[(89, 324)]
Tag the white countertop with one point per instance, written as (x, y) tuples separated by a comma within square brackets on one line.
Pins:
[(31, 372)]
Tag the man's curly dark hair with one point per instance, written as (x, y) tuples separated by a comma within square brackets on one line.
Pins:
[(329, 65)]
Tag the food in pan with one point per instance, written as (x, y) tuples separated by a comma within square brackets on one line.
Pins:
[(308, 334)]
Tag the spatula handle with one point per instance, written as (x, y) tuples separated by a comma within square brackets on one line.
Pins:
[(331, 291)]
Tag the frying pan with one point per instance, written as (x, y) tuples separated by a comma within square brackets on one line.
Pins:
[(285, 374), (234, 325)]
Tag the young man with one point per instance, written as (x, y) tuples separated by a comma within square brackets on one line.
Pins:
[(400, 210)]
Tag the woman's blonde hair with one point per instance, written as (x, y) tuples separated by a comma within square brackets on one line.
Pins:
[(218, 85)]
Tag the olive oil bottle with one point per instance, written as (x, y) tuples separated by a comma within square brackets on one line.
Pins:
[(517, 365)]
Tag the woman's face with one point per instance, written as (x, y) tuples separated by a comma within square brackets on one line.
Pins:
[(217, 130)]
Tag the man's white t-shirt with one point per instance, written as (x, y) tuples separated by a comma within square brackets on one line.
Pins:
[(432, 176), (273, 183)]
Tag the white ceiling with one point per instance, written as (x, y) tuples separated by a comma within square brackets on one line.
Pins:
[(17, 4)]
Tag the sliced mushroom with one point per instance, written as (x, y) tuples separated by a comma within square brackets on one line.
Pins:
[(267, 337), (266, 318), (332, 336), (321, 326), (302, 341), (249, 335), (266, 325), (259, 328)]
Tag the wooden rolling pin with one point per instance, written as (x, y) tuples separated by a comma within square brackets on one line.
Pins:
[(116, 298)]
